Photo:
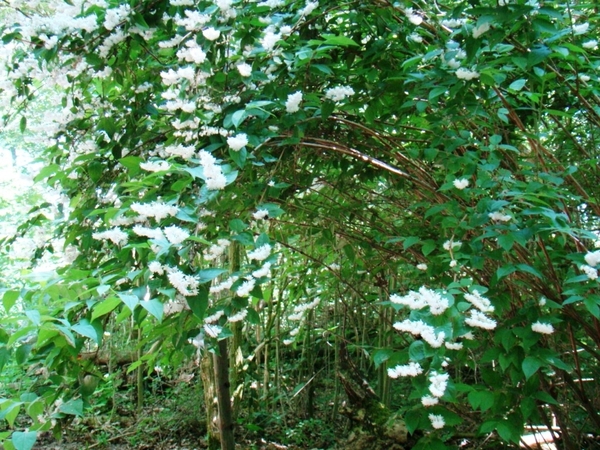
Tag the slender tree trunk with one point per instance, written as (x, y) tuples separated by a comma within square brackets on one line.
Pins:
[(140, 374), (207, 373), (226, 425)]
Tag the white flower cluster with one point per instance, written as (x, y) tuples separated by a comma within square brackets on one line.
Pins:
[(420, 328), (269, 40), (223, 285), (240, 315), (264, 271), (438, 383), (497, 216), (193, 20), (338, 93), (479, 30), (115, 235), (246, 287), (591, 272), (176, 235), (244, 69), (183, 151), (592, 258), (157, 210), (543, 328), (211, 34), (412, 369), (418, 300), (213, 174), (212, 330), (237, 142), (590, 45), (292, 104), (300, 309), (155, 166), (466, 74), (261, 253), (192, 53), (437, 421), (428, 400), (413, 17), (156, 267), (151, 233), (186, 285), (481, 303), (477, 319), (214, 317), (309, 8), (461, 183), (260, 214), (114, 16), (451, 245), (216, 250)]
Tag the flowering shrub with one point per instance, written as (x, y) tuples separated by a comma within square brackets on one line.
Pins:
[(187, 129)]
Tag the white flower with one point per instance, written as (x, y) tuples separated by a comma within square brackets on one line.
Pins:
[(241, 315), (246, 287), (115, 235), (418, 300), (427, 332), (244, 69), (412, 369), (543, 328), (478, 31), (466, 74), (480, 320), (264, 271), (414, 18), (260, 214), (454, 345), (591, 273), (156, 267), (211, 34), (214, 317), (479, 302), (580, 28), (584, 78), (309, 8), (460, 183), (416, 38), (428, 400), (186, 285), (592, 258), (542, 301), (497, 216), (212, 330), (155, 166), (158, 210), (591, 44), (453, 263), (439, 382), (437, 421), (422, 266), (293, 102), (152, 233), (261, 253), (269, 40), (176, 235), (237, 142), (451, 245), (339, 93), (453, 23)]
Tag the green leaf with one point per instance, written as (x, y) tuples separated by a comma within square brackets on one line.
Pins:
[(417, 351), (11, 412), (104, 307), (23, 124), (24, 440), (413, 420), (517, 85), (238, 117), (130, 300), (530, 366), (410, 241), (22, 353), (341, 41), (199, 303), (9, 299), (506, 241), (85, 328), (206, 275), (73, 407), (4, 357), (154, 307), (381, 355)]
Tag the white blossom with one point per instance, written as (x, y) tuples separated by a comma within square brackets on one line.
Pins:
[(155, 166), (479, 302), (237, 142), (416, 38), (212, 330), (264, 271), (152, 233), (158, 210), (478, 319), (451, 245), (590, 45), (261, 253), (293, 102), (246, 287), (176, 235), (439, 383), (115, 235), (437, 421), (592, 258), (454, 345), (260, 214), (466, 74), (580, 28), (420, 328), (186, 285), (412, 369), (309, 8), (591, 273), (338, 93), (214, 317), (460, 183), (269, 40), (211, 34), (428, 400), (422, 266), (479, 30), (244, 69), (156, 267), (543, 328), (497, 216), (241, 315)]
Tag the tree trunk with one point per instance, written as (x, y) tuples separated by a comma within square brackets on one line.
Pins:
[(226, 425), (207, 373)]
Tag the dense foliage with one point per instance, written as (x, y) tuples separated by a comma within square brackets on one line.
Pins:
[(411, 186)]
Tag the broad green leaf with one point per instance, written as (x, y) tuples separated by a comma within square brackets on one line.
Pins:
[(341, 41), (206, 275), (11, 412), (380, 356), (154, 307), (517, 85), (130, 300), (73, 407), (104, 307), (85, 328), (24, 440), (410, 241), (9, 299), (199, 303), (530, 366)]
